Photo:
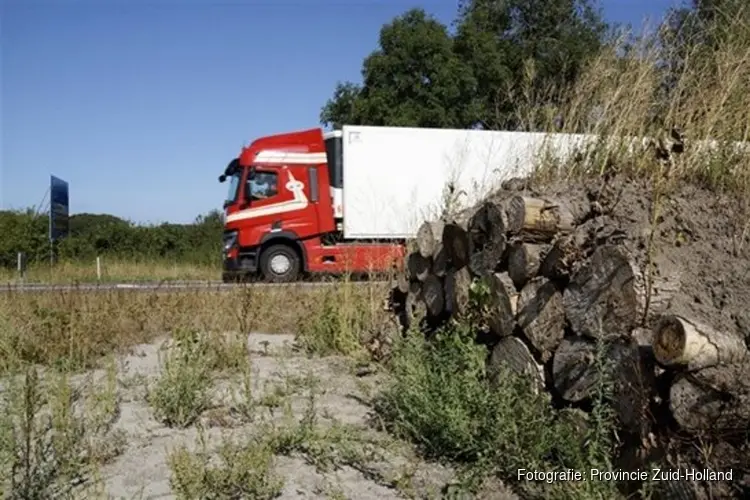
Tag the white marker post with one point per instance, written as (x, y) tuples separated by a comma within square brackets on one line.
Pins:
[(98, 268), (21, 265)]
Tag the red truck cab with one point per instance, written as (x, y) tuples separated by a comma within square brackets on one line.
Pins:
[(284, 212)]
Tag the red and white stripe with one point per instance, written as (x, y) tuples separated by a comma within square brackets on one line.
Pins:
[(285, 157)]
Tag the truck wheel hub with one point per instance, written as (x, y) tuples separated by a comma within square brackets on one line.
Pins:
[(280, 264)]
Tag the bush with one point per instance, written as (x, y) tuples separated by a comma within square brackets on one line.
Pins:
[(441, 398)]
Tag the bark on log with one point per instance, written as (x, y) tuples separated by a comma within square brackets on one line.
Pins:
[(503, 305), (538, 217), (524, 260), (513, 354), (575, 374), (439, 261), (418, 266), (488, 224), (429, 235), (712, 400), (607, 298), (456, 245), (457, 284), (402, 283), (489, 258), (634, 386), (573, 369), (567, 251), (433, 295), (686, 343), (414, 311), (541, 316)]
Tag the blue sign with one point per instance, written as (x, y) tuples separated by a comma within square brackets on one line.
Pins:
[(58, 209)]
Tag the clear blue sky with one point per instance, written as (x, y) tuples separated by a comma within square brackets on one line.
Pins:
[(139, 105)]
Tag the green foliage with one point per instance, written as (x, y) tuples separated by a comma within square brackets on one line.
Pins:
[(422, 76), (441, 397), (104, 235), (415, 78), (181, 393)]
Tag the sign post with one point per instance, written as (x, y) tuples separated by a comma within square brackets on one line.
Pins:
[(59, 208)]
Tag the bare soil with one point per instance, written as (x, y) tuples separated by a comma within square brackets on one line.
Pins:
[(701, 236), (141, 470)]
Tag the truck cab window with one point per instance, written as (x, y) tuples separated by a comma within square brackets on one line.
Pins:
[(263, 185)]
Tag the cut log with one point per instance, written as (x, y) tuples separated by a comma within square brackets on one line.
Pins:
[(524, 260), (489, 258), (715, 399), (456, 245), (429, 235), (565, 253), (439, 261), (514, 355), (402, 283), (607, 297), (685, 343), (541, 316), (433, 295), (502, 305), (576, 373), (417, 266), (634, 386), (573, 369), (412, 313), (488, 224), (538, 217), (457, 285)]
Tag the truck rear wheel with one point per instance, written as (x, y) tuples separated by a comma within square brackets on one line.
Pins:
[(279, 264)]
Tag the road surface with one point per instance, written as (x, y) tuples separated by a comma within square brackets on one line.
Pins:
[(160, 286)]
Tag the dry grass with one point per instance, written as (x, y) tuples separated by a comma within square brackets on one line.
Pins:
[(113, 270), (76, 329), (620, 99)]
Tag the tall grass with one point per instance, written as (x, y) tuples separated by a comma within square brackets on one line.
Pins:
[(643, 87), (75, 329), (112, 270)]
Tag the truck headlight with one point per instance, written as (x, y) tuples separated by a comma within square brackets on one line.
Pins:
[(230, 240)]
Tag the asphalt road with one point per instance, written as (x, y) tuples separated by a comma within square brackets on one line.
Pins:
[(158, 286)]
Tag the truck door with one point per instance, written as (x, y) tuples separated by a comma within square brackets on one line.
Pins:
[(280, 197)]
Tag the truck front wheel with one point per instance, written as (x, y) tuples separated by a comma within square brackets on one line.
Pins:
[(279, 264)]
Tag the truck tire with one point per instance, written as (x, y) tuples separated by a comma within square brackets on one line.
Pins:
[(279, 264)]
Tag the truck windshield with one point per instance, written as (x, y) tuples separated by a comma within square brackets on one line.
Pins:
[(234, 183)]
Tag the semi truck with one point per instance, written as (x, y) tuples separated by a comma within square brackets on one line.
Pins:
[(348, 200)]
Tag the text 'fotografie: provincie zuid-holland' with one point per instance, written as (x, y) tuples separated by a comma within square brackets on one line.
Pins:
[(655, 474)]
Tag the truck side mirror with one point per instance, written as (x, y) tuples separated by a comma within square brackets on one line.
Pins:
[(222, 178)]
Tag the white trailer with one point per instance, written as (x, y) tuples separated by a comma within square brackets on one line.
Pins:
[(395, 177)]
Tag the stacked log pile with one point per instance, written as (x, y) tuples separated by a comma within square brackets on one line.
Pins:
[(555, 291)]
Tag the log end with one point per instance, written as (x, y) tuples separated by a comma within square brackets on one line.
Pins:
[(669, 341)]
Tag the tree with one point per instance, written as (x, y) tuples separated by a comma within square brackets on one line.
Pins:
[(342, 107), (415, 78), (530, 48)]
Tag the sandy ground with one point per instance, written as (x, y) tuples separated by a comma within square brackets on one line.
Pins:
[(141, 470)]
